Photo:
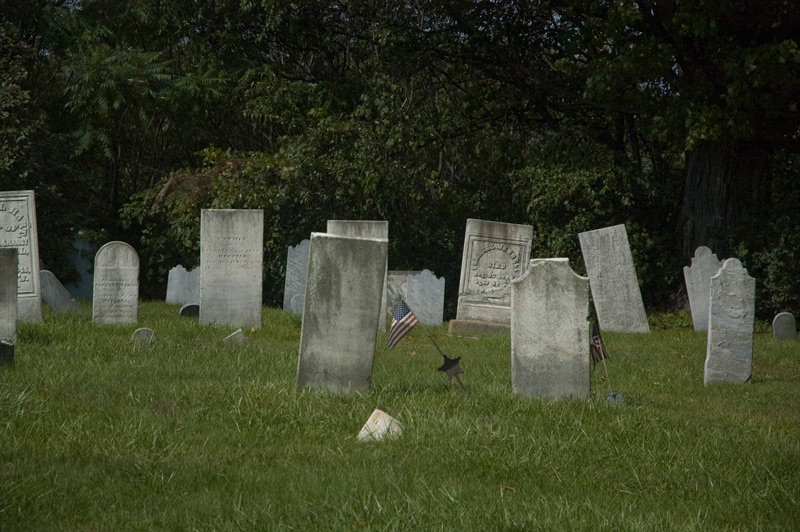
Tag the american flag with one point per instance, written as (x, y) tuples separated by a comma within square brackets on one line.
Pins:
[(404, 320), (597, 348)]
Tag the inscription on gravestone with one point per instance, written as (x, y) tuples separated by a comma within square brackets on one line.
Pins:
[(698, 282), (18, 230), (116, 284), (8, 295)]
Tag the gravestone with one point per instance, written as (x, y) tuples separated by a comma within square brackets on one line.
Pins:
[(8, 295), (698, 282), (183, 286), (425, 296), (116, 284), (494, 254), (231, 256), (612, 279), (19, 231), (366, 229), (343, 303), (295, 282), (189, 310), (144, 335), (784, 327), (380, 425), (549, 332), (55, 295), (237, 337), (396, 282), (729, 353)]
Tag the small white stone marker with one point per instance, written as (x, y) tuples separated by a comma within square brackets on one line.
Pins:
[(144, 334), (238, 336), (379, 425)]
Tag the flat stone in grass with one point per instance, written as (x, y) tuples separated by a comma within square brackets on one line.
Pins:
[(237, 337), (8, 294), (18, 221), (189, 310), (343, 303), (295, 281), (425, 296), (549, 332), (183, 286), (116, 284), (144, 335), (612, 278), (705, 265), (380, 425), (55, 295), (784, 327), (729, 353)]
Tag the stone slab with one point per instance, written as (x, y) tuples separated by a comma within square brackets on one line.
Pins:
[(55, 295), (237, 337), (8, 294), (183, 286), (144, 335), (295, 281), (425, 296), (705, 265), (116, 285), (396, 283), (19, 230), (380, 425), (784, 327)]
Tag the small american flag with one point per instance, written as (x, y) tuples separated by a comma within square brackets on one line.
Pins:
[(404, 320), (597, 348)]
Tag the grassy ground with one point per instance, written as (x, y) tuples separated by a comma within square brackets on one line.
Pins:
[(97, 433)]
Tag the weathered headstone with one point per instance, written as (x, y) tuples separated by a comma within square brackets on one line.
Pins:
[(55, 295), (231, 256), (295, 282), (495, 253), (379, 425), (183, 286), (396, 281), (705, 265), (116, 284), (366, 229), (612, 279), (343, 303), (237, 337), (784, 327), (8, 294), (549, 332), (425, 296), (144, 335), (189, 310), (19, 231), (729, 353)]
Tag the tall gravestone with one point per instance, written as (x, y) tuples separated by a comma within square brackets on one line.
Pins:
[(19, 231), (377, 229), (343, 301), (55, 295), (549, 332), (729, 353), (115, 299), (8, 295), (183, 286), (784, 327), (295, 283), (612, 279), (705, 265), (425, 296), (231, 257)]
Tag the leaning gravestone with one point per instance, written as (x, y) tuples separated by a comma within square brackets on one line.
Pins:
[(295, 282), (549, 332), (55, 295), (116, 284), (231, 256), (19, 231), (425, 296), (705, 265), (784, 327), (183, 286), (612, 278), (343, 302), (729, 353), (8, 295)]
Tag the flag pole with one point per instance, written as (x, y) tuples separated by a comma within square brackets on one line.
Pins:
[(434, 343)]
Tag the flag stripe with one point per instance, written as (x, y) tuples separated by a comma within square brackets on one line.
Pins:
[(404, 320)]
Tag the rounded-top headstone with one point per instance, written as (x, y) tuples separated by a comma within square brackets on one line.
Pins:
[(190, 310), (784, 327), (144, 334)]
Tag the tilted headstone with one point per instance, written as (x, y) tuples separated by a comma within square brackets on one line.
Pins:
[(144, 335), (379, 425), (340, 321), (366, 229), (396, 281), (231, 256), (296, 270), (705, 265), (8, 294), (784, 327), (18, 230), (425, 296), (55, 295), (729, 353), (550, 332), (116, 284), (183, 286), (237, 337), (612, 279)]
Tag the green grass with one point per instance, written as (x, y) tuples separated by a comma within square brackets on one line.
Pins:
[(190, 433)]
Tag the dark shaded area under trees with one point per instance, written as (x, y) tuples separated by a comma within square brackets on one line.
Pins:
[(680, 121)]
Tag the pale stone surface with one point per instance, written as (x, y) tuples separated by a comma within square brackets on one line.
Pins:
[(231, 257), (116, 284), (183, 286), (380, 425), (494, 254), (296, 270), (8, 295), (366, 229), (549, 332), (396, 283), (298, 303), (236, 337), (340, 321), (784, 327), (425, 296), (55, 295), (729, 354), (19, 231), (705, 265), (612, 278), (145, 335), (189, 310)]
